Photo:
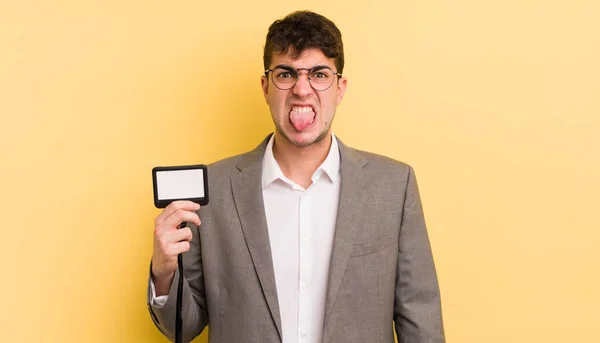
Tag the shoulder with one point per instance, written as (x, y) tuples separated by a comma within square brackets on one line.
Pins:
[(227, 166), (376, 163), (384, 176), (228, 162)]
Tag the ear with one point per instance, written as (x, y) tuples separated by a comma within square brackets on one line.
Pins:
[(341, 89), (264, 82)]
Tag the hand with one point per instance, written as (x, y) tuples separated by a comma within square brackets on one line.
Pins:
[(169, 241)]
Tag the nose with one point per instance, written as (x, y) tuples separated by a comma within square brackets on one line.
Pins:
[(302, 87)]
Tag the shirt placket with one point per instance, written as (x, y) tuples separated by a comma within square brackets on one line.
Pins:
[(305, 270)]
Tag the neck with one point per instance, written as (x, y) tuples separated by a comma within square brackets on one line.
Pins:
[(300, 163)]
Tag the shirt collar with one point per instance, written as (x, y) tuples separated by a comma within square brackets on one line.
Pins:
[(331, 166)]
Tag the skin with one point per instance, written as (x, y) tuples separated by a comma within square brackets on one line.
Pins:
[(298, 154), (169, 242)]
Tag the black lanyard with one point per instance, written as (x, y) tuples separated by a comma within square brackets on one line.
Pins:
[(178, 321)]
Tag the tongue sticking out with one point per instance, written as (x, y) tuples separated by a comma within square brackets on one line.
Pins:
[(301, 120)]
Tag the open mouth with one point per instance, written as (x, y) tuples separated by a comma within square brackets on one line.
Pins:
[(302, 117)]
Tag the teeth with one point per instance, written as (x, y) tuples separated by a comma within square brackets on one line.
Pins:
[(302, 109)]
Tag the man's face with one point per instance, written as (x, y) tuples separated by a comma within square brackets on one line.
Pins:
[(303, 115)]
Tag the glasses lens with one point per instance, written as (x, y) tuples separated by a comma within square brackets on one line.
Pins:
[(284, 78), (321, 78)]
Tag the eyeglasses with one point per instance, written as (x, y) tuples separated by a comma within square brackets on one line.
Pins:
[(285, 77)]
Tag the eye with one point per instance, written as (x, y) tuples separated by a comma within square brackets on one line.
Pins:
[(285, 75), (320, 75)]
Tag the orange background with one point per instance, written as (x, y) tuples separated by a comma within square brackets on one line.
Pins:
[(495, 104)]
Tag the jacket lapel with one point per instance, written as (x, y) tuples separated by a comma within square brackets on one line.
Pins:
[(348, 219), (246, 186)]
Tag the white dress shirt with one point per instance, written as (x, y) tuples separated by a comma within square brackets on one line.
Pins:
[(301, 224)]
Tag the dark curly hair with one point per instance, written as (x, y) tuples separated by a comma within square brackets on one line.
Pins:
[(303, 30)]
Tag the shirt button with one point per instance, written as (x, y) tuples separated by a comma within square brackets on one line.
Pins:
[(304, 241), (304, 287), (302, 334)]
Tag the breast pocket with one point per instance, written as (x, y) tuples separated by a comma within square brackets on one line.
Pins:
[(367, 248), (367, 255)]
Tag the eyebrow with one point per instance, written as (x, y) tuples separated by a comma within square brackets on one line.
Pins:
[(292, 69), (286, 67)]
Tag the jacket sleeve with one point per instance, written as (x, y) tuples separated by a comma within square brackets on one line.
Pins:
[(417, 305), (194, 306)]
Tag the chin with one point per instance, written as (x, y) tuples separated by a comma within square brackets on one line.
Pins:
[(302, 140)]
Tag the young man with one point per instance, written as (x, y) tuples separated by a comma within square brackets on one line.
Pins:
[(305, 239)]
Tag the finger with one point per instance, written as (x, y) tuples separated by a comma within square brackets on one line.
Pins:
[(180, 247), (174, 206), (166, 238), (184, 234), (180, 216)]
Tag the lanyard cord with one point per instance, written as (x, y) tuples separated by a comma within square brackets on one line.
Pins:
[(178, 321)]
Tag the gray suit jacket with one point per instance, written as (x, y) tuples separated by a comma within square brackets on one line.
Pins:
[(381, 266)]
